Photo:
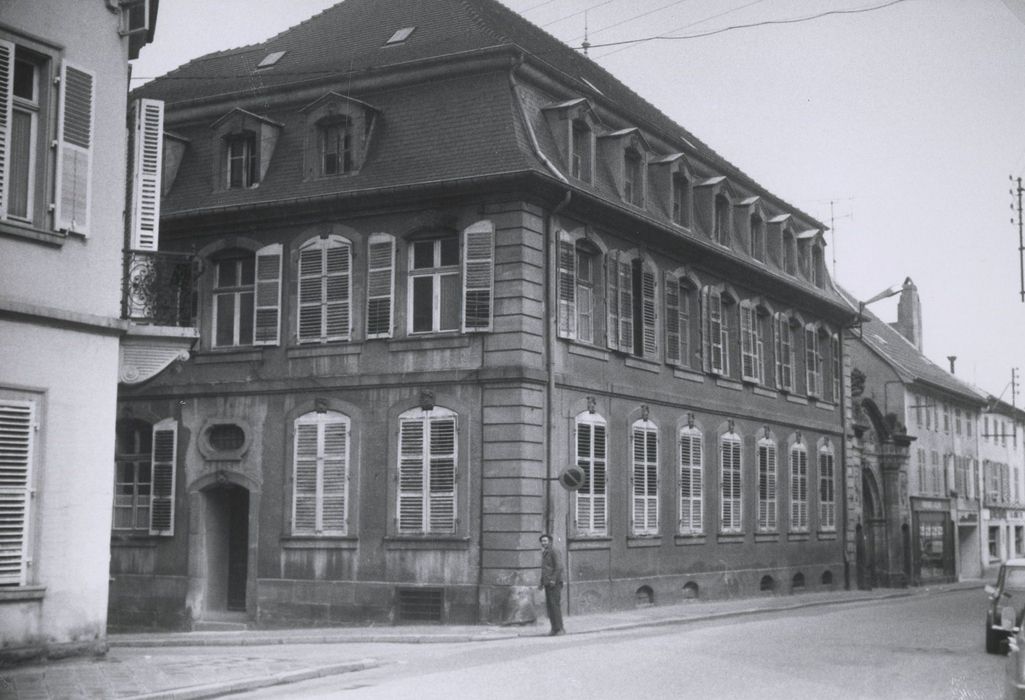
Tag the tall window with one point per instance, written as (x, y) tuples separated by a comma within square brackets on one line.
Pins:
[(784, 353), (645, 478), (24, 126), (827, 489), (325, 284), (619, 302), (633, 177), (677, 320), (645, 340), (380, 285), (691, 482), (937, 473), (681, 200), (243, 164), (798, 488), (812, 361), (923, 476), (427, 471), (768, 504), (17, 426), (578, 270), (434, 285), (757, 238), (818, 268), (591, 499), (836, 360), (234, 285), (751, 346), (731, 492), (336, 145), (722, 233), (133, 476), (789, 253), (321, 474), (716, 322), (581, 157), (946, 418)]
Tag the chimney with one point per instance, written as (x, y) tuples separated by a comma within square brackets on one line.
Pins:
[(951, 359), (909, 315)]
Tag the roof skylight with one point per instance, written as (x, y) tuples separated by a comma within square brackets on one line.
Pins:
[(400, 35), (270, 59)]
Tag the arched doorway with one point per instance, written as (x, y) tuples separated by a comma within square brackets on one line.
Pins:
[(226, 518), (873, 534)]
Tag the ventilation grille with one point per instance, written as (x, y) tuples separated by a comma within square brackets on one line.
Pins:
[(420, 604)]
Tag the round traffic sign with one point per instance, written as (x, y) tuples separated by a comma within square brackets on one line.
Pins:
[(572, 478)]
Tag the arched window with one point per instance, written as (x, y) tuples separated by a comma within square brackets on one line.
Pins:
[(732, 495), (325, 290), (691, 481), (427, 471), (591, 456), (321, 474), (768, 499), (645, 478), (798, 487)]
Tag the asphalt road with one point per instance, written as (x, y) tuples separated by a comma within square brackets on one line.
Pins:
[(919, 647)]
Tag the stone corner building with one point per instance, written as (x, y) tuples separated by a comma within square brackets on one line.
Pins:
[(443, 258)]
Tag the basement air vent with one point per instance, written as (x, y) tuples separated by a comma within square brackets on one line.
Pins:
[(420, 604)]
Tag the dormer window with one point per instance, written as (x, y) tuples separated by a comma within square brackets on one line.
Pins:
[(338, 136), (633, 178), (681, 200), (818, 271), (757, 226), (335, 145), (581, 156), (243, 162), (722, 224), (789, 253)]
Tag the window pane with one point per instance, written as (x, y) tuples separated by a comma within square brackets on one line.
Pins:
[(423, 306), (226, 273), (21, 164), (423, 255), (225, 315), (248, 270), (449, 251), (245, 324), (449, 302), (24, 84)]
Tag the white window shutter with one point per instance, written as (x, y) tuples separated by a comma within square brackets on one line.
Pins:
[(164, 465), (338, 291), (311, 271), (17, 441), (567, 325), (411, 476), (304, 482), (147, 144), (612, 299), (478, 276), (442, 501), (672, 322), (74, 150), (267, 330), (626, 306), (649, 314), (6, 102), (334, 475), (380, 285)]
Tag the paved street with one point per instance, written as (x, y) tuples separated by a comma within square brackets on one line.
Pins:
[(916, 647), (886, 643)]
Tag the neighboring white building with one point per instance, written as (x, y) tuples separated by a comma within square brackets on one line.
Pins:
[(1002, 483), (64, 72)]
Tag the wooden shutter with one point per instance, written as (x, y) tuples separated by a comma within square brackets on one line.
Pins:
[(674, 354), (311, 279), (147, 153), (767, 498), (442, 483), (691, 515), (612, 299), (649, 314), (645, 479), (17, 441), (6, 115), (411, 475), (798, 488), (334, 475), (478, 276), (267, 329), (304, 487), (626, 306), (337, 290), (591, 498), (811, 353), (827, 493), (164, 463), (380, 285), (716, 348), (567, 322), (74, 149), (731, 484), (748, 350)]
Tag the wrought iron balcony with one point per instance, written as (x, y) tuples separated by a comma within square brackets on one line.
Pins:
[(158, 288)]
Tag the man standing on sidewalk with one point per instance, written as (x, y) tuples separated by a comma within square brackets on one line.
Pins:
[(551, 582)]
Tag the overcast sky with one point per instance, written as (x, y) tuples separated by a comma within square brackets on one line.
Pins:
[(897, 127)]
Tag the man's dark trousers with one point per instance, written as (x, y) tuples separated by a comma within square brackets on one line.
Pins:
[(553, 601)]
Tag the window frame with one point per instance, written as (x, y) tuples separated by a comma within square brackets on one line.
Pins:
[(644, 478), (322, 493), (590, 501), (827, 488), (426, 498), (690, 461), (324, 292), (19, 421), (243, 166), (731, 484), (141, 489), (768, 485), (799, 494)]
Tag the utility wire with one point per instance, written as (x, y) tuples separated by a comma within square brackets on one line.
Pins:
[(577, 14)]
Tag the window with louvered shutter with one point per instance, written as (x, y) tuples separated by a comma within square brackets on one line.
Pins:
[(648, 313), (164, 460), (674, 354), (835, 360), (567, 322), (427, 474), (586, 272), (146, 149), (750, 343), (626, 304), (716, 348), (74, 149), (812, 361), (6, 120), (591, 498), (645, 478), (478, 276), (267, 329), (17, 442), (784, 353), (827, 490), (767, 496), (321, 474), (612, 299), (691, 482), (731, 501), (133, 476), (798, 488), (325, 288), (380, 285)]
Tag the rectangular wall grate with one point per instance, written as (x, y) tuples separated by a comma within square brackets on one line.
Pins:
[(420, 604)]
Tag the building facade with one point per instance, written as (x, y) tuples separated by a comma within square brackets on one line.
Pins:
[(63, 102), (1003, 462), (441, 269), (916, 439)]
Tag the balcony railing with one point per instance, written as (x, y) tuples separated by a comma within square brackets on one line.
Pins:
[(158, 288)]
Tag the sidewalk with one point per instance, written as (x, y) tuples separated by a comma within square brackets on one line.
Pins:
[(209, 664)]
